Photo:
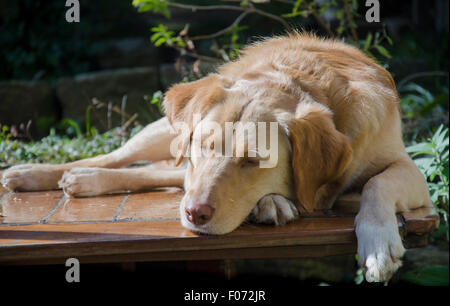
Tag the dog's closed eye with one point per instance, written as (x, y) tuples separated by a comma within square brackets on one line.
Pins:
[(248, 163)]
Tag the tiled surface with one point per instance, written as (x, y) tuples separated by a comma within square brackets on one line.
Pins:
[(88, 209), (29, 207), (152, 205), (52, 207)]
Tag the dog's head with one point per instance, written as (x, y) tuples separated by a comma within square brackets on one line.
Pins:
[(244, 140)]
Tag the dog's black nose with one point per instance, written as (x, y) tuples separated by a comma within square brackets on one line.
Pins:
[(198, 213)]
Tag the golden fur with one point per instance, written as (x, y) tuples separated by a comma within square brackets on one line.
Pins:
[(339, 98)]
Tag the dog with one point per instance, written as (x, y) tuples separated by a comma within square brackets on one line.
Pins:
[(340, 130)]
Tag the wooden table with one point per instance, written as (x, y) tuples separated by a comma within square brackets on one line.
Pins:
[(48, 228)]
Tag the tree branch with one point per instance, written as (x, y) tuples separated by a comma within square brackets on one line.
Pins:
[(223, 31), (272, 16), (198, 56), (248, 9), (206, 7), (316, 16)]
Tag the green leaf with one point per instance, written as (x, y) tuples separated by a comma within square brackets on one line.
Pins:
[(156, 6), (383, 51), (160, 41), (88, 121), (295, 10), (424, 163), (74, 125), (424, 94), (368, 41), (155, 36), (157, 97), (159, 28), (433, 175), (420, 148), (439, 138), (389, 39), (445, 172)]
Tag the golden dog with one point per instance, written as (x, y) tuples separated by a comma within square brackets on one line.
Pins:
[(340, 130)]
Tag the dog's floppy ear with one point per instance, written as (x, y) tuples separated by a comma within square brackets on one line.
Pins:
[(320, 153), (183, 101)]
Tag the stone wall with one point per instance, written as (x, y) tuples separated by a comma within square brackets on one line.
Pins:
[(70, 97)]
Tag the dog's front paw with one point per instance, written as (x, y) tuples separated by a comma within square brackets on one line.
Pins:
[(380, 250), (273, 209), (82, 182), (31, 177)]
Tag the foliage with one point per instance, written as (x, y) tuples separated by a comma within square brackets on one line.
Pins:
[(295, 13), (165, 37), (359, 275), (418, 101), (156, 6), (157, 99), (59, 148), (432, 158), (422, 110), (68, 141)]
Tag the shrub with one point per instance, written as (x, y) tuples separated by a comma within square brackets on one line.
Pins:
[(431, 157)]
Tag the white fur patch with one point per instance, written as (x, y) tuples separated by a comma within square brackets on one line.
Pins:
[(380, 249), (274, 209), (308, 105), (81, 181)]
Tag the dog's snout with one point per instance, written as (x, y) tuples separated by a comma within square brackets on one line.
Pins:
[(198, 213)]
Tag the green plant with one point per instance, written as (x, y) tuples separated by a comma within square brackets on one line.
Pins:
[(418, 101), (70, 145), (58, 148), (162, 36), (156, 100), (432, 158), (422, 110), (292, 13)]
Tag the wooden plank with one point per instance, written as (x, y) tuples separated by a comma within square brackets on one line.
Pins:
[(421, 220), (300, 251), (39, 241)]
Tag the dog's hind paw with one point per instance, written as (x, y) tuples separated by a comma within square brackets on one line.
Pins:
[(273, 209)]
